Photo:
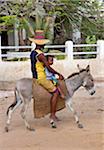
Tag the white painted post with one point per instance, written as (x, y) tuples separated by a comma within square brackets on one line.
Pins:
[(16, 38), (100, 49), (0, 49), (100, 57), (69, 49), (33, 46)]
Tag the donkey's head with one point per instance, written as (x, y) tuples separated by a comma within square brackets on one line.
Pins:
[(88, 82)]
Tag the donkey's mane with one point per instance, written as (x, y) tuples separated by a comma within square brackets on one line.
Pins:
[(76, 73)]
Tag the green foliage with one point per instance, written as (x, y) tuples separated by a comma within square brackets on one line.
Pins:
[(7, 21), (91, 39), (84, 15), (60, 57), (16, 59)]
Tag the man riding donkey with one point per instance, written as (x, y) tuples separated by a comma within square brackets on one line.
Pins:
[(38, 65)]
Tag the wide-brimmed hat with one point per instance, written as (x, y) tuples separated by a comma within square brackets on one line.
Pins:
[(39, 38)]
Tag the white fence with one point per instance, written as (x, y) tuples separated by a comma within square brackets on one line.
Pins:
[(68, 50), (11, 71)]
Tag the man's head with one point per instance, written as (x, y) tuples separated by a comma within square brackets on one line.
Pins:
[(39, 39), (50, 59)]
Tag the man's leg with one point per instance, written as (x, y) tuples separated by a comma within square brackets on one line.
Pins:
[(61, 92), (47, 84), (53, 104)]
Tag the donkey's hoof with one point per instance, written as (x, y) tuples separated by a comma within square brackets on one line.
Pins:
[(30, 129), (6, 129), (80, 125), (54, 126)]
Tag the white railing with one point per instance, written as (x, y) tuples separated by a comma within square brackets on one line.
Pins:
[(68, 50), (16, 54)]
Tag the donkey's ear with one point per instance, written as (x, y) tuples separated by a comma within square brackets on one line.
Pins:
[(88, 68), (79, 67)]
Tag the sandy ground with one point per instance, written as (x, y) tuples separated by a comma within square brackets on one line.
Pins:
[(67, 136)]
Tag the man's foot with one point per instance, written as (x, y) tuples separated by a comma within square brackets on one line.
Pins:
[(55, 118)]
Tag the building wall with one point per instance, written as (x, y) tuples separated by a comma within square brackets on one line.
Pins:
[(11, 38)]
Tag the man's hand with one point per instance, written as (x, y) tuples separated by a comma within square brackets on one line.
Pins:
[(60, 77)]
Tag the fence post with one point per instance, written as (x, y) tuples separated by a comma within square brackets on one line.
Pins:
[(69, 49), (0, 49), (100, 49), (16, 38), (33, 46)]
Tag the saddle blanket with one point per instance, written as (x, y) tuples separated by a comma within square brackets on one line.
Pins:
[(41, 99)]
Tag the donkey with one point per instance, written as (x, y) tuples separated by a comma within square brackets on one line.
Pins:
[(23, 95)]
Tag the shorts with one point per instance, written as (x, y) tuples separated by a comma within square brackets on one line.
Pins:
[(47, 84)]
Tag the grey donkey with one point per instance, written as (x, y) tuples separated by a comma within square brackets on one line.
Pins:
[(23, 95)]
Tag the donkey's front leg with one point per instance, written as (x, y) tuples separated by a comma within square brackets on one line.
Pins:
[(69, 106)]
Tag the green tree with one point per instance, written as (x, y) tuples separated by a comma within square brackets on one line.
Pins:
[(64, 15), (28, 14), (83, 14)]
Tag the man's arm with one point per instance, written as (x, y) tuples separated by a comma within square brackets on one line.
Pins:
[(43, 59), (33, 61)]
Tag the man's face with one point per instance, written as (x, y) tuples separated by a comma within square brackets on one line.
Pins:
[(40, 47)]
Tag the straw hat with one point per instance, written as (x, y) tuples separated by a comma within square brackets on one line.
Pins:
[(39, 38)]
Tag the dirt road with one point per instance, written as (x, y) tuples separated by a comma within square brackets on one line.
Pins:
[(67, 136)]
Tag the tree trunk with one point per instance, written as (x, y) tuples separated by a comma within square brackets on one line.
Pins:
[(21, 41)]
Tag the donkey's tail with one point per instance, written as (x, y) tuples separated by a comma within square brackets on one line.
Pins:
[(17, 100)]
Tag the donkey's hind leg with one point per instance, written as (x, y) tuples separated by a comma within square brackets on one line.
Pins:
[(23, 114), (10, 110)]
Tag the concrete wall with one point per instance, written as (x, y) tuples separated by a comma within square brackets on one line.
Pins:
[(11, 71)]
